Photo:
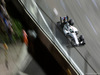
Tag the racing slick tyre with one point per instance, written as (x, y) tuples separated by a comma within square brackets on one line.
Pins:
[(61, 20), (81, 40), (67, 18)]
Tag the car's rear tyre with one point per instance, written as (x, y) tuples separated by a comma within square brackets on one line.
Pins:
[(81, 40), (61, 20)]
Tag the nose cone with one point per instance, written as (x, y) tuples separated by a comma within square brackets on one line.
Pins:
[(76, 39), (77, 43)]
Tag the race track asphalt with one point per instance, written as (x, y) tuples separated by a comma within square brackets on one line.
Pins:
[(86, 16)]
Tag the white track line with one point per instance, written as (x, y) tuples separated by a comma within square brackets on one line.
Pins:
[(55, 11), (94, 2), (91, 25), (79, 3), (63, 5)]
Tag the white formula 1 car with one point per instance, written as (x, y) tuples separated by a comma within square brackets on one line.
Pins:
[(72, 33)]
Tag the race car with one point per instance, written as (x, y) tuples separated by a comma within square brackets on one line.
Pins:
[(72, 33)]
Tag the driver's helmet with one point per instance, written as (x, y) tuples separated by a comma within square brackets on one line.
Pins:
[(71, 30), (71, 22), (67, 24)]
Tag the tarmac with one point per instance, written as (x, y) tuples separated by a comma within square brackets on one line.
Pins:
[(14, 60)]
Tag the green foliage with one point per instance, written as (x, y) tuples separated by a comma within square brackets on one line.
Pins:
[(16, 25), (17, 29), (17, 32)]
